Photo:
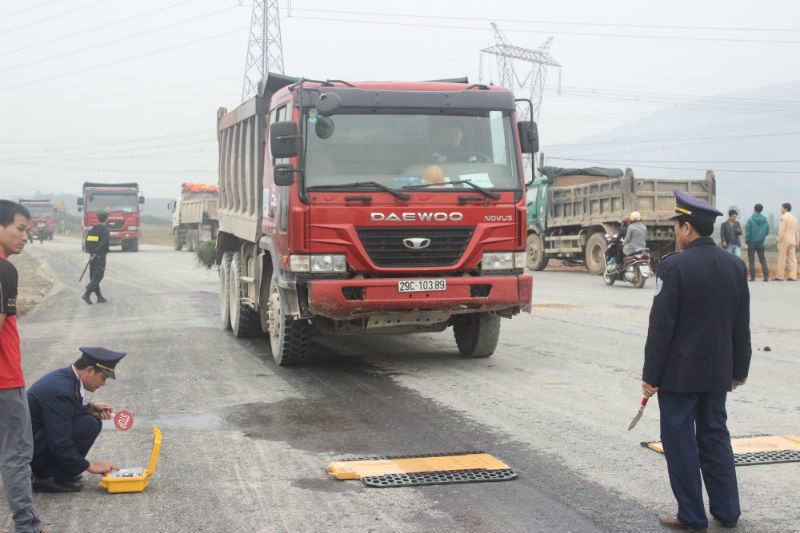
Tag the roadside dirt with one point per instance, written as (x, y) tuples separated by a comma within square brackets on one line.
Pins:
[(36, 282)]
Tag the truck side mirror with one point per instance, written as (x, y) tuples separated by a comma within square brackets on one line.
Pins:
[(528, 136), (141, 200), (80, 202), (283, 175), (284, 140)]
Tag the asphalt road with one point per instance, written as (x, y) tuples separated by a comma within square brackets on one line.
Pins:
[(245, 442)]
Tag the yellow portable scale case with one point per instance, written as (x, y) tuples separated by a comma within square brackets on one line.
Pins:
[(134, 479)]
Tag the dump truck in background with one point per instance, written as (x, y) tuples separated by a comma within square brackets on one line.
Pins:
[(194, 215), (571, 210), (343, 221), (43, 219), (121, 201)]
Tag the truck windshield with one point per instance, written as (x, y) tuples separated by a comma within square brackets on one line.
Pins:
[(401, 150), (40, 210), (125, 202)]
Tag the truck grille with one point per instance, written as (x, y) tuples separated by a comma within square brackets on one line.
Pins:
[(115, 224), (386, 249)]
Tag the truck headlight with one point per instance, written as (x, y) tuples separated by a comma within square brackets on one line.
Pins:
[(497, 261), (520, 259), (319, 263), (133, 228)]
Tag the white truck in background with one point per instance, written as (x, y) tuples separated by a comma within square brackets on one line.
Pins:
[(194, 215)]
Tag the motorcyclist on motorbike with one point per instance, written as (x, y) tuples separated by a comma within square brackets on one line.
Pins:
[(618, 241), (635, 239)]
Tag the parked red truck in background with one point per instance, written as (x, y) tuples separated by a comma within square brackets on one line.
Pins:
[(43, 219), (121, 201), (348, 220)]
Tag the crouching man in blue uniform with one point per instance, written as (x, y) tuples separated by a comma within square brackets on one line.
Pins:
[(64, 429), (698, 349)]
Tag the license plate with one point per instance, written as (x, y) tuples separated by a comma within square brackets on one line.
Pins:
[(645, 270), (422, 285)]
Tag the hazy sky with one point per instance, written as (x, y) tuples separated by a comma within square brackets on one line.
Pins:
[(128, 91)]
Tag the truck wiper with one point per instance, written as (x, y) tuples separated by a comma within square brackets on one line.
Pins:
[(486, 192), (401, 195)]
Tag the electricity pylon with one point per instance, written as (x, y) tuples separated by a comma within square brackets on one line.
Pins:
[(529, 78), (264, 47)]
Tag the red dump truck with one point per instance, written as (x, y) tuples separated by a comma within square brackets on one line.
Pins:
[(121, 201), (43, 219), (347, 208)]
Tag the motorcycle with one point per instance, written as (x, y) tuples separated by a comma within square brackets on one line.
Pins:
[(41, 230), (635, 268)]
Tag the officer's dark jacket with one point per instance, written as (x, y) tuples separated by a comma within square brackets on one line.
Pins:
[(699, 334), (54, 401), (101, 231)]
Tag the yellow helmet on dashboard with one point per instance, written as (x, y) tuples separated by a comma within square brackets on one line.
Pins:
[(636, 216)]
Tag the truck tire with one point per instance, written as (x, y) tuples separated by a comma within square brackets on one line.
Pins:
[(224, 290), (176, 241), (596, 253), (134, 245), (288, 338), (190, 240), (245, 322), (537, 260), (477, 335)]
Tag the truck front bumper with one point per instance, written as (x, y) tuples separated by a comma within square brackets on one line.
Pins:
[(347, 299)]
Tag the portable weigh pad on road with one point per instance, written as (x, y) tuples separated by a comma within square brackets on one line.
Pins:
[(429, 469), (134, 479), (755, 450)]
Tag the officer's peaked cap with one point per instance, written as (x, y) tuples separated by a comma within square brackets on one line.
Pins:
[(102, 358), (696, 207)]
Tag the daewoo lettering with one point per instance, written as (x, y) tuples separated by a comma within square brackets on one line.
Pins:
[(438, 216)]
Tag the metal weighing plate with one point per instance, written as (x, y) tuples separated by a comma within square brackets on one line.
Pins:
[(755, 450)]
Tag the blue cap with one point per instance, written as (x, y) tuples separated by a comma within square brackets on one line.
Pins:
[(102, 358), (696, 207)]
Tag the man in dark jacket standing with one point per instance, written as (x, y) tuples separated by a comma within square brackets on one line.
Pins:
[(97, 245), (755, 233), (698, 349), (729, 234)]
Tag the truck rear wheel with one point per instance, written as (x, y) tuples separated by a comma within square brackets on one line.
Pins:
[(288, 338), (245, 322), (596, 253), (224, 290), (537, 260), (176, 241), (477, 335), (190, 240)]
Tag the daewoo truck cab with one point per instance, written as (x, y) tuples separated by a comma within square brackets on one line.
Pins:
[(43, 218), (362, 215), (121, 201)]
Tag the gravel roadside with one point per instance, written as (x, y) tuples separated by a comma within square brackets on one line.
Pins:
[(36, 282)]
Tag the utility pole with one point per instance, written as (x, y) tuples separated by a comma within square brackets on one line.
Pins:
[(264, 47), (525, 81)]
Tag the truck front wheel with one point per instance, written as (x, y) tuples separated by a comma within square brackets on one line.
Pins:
[(537, 260), (596, 253), (288, 338), (477, 335), (176, 241)]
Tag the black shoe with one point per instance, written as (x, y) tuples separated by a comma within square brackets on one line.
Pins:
[(724, 524), (766, 279), (752, 279), (777, 279), (87, 297), (101, 300), (48, 484), (791, 279)]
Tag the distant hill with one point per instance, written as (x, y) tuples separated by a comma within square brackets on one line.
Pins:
[(723, 133)]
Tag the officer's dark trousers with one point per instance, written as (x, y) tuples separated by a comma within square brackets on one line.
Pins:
[(85, 430), (752, 250), (695, 439), (97, 269)]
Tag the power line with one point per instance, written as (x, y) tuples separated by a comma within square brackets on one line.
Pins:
[(120, 39), (558, 32), (122, 60), (57, 15), (562, 23), (94, 28)]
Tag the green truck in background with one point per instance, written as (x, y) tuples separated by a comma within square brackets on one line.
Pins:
[(571, 210)]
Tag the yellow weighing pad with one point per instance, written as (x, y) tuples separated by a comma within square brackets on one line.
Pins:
[(760, 449), (422, 469), (134, 479)]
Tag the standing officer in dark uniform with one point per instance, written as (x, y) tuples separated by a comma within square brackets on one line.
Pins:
[(698, 349), (64, 429), (97, 245)]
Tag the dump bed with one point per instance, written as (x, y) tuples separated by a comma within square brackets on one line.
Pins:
[(198, 210), (241, 135), (608, 200)]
